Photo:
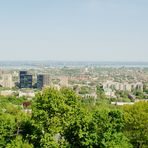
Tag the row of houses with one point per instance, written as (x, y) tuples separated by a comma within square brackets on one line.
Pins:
[(123, 86)]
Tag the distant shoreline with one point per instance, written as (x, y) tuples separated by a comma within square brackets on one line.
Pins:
[(35, 64)]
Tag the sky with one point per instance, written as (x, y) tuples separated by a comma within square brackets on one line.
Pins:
[(74, 30)]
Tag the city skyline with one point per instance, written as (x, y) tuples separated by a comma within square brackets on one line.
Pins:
[(88, 30)]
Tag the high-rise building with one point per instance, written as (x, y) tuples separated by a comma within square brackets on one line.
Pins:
[(40, 81), (47, 81), (7, 81), (43, 80), (25, 80)]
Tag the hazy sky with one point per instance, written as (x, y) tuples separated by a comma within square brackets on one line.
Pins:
[(94, 30)]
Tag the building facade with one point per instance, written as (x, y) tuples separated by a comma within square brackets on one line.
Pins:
[(7, 81), (43, 80), (123, 86), (40, 81), (25, 80)]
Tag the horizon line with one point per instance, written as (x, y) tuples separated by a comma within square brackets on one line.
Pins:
[(72, 61)]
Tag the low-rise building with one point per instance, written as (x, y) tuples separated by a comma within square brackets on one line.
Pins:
[(29, 94), (109, 93), (7, 93)]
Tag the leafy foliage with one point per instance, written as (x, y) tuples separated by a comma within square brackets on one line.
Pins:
[(136, 121), (60, 118)]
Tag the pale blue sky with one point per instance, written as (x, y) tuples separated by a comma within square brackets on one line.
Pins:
[(92, 30)]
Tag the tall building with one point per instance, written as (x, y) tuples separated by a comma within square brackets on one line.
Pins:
[(7, 81), (43, 80), (40, 81), (46, 81), (25, 80)]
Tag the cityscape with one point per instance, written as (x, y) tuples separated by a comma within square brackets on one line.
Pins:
[(82, 79), (74, 74), (107, 87)]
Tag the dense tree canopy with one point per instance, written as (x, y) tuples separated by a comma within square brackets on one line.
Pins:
[(136, 121), (60, 118)]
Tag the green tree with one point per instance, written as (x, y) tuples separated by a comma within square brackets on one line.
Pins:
[(136, 121), (18, 142), (7, 128), (102, 128), (100, 92), (13, 124), (52, 112), (109, 129), (139, 94)]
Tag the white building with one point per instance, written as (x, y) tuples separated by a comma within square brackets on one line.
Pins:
[(109, 93), (123, 86), (7, 81), (30, 94), (7, 92)]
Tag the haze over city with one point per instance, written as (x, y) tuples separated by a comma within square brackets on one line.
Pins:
[(87, 30), (73, 73)]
